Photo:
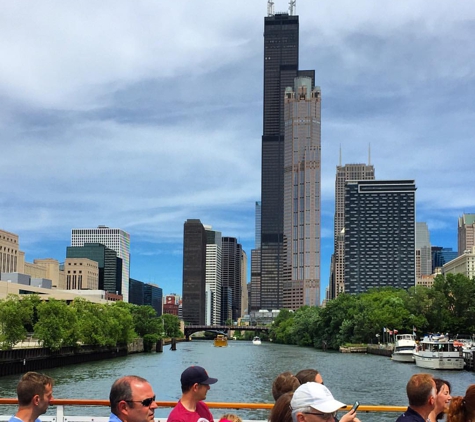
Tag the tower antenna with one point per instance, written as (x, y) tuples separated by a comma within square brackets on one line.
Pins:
[(292, 6), (270, 8)]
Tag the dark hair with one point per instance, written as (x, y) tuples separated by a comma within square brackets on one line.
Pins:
[(419, 389), (281, 412), (439, 383), (121, 390), (306, 375), (462, 408), (284, 383), (32, 384)]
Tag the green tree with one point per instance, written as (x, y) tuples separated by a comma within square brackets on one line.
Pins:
[(57, 324), (171, 326), (119, 323), (146, 320), (93, 328), (14, 315)]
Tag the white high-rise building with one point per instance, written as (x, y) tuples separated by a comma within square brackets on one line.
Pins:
[(423, 251), (116, 239), (213, 276)]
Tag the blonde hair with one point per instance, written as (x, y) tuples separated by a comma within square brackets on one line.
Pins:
[(230, 417)]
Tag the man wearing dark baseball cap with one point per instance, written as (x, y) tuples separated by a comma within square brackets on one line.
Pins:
[(195, 383)]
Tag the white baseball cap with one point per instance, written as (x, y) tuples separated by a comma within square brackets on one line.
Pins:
[(317, 396)]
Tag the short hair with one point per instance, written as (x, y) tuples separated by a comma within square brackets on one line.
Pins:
[(419, 388), (230, 417), (306, 375), (284, 383), (462, 408), (282, 412), (121, 390), (30, 385)]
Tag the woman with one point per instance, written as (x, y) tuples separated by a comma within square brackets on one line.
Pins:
[(462, 409), (442, 399)]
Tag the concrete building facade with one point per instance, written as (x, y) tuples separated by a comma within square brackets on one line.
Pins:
[(466, 233), (116, 239), (463, 264), (81, 274), (379, 234), (302, 194), (9, 250)]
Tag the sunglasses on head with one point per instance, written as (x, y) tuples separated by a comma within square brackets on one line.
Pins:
[(145, 402)]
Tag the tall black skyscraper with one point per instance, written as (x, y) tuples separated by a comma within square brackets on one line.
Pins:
[(281, 53)]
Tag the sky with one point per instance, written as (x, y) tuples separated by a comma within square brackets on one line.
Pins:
[(140, 115)]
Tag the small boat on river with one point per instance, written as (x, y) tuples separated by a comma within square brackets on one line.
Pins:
[(438, 352), (220, 341), (404, 348), (256, 340)]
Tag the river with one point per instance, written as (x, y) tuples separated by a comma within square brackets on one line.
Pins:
[(245, 373)]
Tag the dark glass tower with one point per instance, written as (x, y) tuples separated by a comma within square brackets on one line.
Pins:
[(194, 272)]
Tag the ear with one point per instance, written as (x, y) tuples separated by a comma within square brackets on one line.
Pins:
[(122, 407), (36, 400), (300, 417)]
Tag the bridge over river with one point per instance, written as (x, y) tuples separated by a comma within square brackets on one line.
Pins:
[(222, 329)]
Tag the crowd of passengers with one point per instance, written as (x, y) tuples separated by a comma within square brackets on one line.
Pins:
[(298, 398)]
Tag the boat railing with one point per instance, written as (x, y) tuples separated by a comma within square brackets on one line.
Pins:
[(62, 416)]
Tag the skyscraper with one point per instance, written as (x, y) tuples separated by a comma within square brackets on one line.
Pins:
[(255, 285), (302, 191), (379, 234), (213, 275), (281, 51), (343, 174), (423, 250), (194, 272), (466, 233), (116, 239), (231, 277)]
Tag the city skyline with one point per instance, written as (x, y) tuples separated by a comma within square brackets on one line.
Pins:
[(141, 118)]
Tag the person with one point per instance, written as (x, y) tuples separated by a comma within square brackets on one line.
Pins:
[(132, 400), (309, 375), (462, 409), (195, 383), (230, 417), (421, 392), (281, 412), (34, 392), (442, 399), (284, 383), (313, 402)]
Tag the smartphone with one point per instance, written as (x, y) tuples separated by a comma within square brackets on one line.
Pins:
[(355, 406)]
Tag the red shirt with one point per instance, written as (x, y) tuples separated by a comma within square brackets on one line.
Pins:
[(180, 414)]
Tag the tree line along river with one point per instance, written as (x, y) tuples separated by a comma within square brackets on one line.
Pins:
[(245, 373)]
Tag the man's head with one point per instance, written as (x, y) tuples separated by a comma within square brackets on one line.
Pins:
[(284, 383), (421, 390), (132, 399), (309, 375), (313, 402), (35, 390), (195, 380)]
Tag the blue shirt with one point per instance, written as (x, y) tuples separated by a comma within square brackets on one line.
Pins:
[(112, 418), (15, 419), (410, 416)]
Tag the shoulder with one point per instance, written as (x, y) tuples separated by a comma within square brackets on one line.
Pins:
[(113, 418), (203, 410), (177, 413)]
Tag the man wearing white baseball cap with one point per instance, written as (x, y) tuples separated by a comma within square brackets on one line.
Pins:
[(313, 402)]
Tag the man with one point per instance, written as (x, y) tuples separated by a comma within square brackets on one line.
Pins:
[(195, 383), (35, 392), (309, 375), (421, 392), (132, 400), (313, 402)]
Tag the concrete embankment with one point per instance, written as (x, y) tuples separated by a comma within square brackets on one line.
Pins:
[(372, 349)]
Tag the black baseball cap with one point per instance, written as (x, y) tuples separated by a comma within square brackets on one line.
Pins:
[(196, 375)]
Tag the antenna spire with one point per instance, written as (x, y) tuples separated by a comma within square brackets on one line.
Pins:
[(292, 6), (270, 8)]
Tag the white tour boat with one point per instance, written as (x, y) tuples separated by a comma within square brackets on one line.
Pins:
[(438, 352), (256, 340), (404, 348)]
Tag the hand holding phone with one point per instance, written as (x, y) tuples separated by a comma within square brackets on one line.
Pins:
[(355, 406)]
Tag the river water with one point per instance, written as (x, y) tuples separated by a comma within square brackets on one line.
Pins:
[(245, 373)]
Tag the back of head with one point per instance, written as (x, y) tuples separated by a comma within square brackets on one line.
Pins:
[(30, 385), (419, 388), (284, 383), (121, 390), (307, 375), (282, 412), (231, 417), (462, 409)]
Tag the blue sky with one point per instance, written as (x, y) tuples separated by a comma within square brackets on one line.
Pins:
[(140, 115)]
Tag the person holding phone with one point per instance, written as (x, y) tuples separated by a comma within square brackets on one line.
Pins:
[(313, 402)]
